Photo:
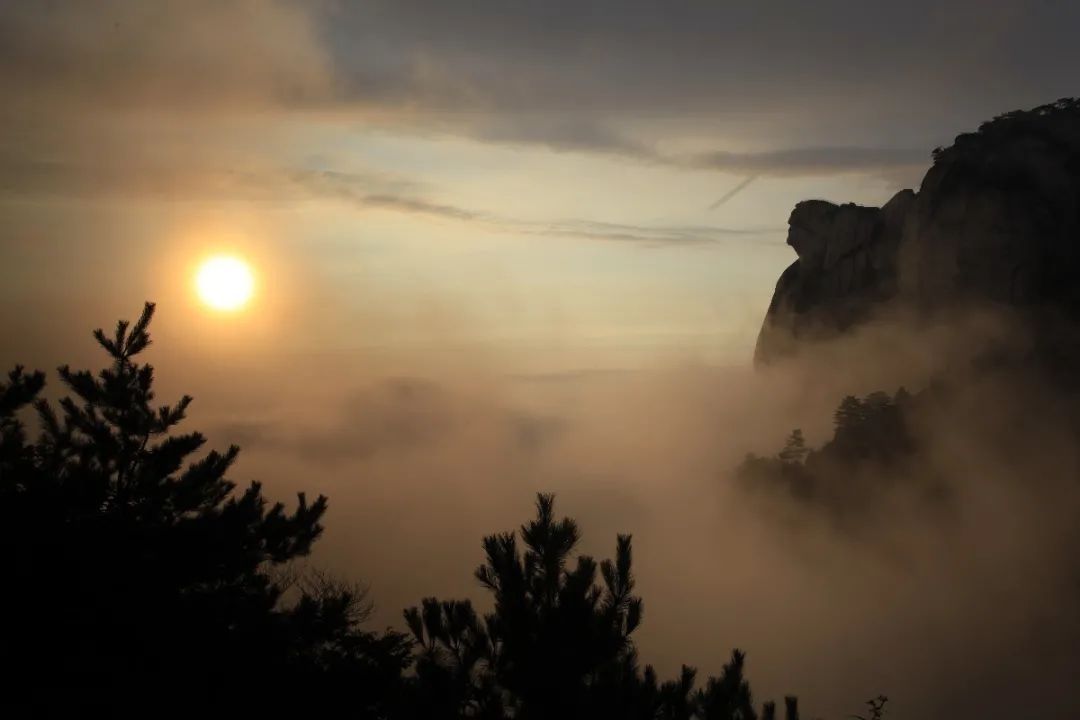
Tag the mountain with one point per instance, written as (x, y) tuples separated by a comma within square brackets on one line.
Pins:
[(995, 222)]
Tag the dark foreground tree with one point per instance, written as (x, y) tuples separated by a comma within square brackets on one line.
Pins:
[(558, 642), (139, 577)]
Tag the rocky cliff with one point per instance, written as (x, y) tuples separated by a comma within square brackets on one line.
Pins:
[(996, 219)]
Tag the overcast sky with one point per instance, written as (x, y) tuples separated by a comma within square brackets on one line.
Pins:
[(623, 169)]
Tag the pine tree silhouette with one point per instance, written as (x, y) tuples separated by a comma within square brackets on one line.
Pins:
[(558, 642), (848, 415), (791, 708), (795, 450), (556, 628), (876, 709), (136, 569), (728, 697), (455, 655)]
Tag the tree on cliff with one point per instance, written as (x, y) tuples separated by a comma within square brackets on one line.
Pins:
[(872, 445), (795, 449), (134, 569)]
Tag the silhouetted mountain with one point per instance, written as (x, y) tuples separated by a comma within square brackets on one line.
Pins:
[(996, 220)]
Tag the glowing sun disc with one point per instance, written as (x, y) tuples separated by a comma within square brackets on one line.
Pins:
[(225, 283)]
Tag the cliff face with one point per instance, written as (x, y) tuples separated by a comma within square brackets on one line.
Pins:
[(996, 219)]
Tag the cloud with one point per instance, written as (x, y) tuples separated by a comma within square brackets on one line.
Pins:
[(595, 137), (178, 180), (566, 134), (397, 417), (624, 75), (649, 235), (414, 206), (185, 56), (627, 78), (200, 175), (813, 161)]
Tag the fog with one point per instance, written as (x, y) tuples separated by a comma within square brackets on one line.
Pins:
[(955, 608), (949, 609)]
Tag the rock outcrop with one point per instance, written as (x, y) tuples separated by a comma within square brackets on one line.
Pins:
[(996, 219)]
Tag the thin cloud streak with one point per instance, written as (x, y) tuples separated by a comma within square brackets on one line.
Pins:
[(811, 161), (121, 180), (733, 192)]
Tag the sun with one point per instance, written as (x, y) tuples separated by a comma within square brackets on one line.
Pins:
[(225, 283)]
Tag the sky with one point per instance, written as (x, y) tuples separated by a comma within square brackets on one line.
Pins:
[(610, 177), (498, 247)]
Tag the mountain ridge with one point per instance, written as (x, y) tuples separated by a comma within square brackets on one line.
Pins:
[(995, 221)]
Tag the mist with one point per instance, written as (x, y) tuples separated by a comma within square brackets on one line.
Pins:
[(950, 609)]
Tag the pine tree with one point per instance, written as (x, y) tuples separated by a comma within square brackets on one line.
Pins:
[(558, 642), (791, 708), (557, 639), (454, 662), (15, 456), (135, 566), (728, 697), (795, 450), (676, 697), (848, 415), (876, 709)]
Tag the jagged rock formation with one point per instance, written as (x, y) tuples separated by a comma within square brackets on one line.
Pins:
[(996, 219)]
